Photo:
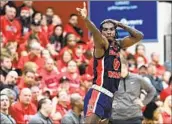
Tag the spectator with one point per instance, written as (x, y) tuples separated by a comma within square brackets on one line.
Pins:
[(74, 116), (29, 4), (4, 4), (33, 56), (166, 92), (36, 93), (45, 54), (156, 81), (49, 15), (155, 60), (152, 114), (23, 109), (44, 111), (37, 17), (166, 110), (36, 33), (12, 50), (27, 80), (5, 117), (126, 107), (56, 20), (64, 84), (140, 51), (73, 74), (44, 26), (71, 43), (11, 82), (63, 60), (57, 39), (49, 76), (60, 106), (165, 79), (140, 61), (6, 64), (25, 19), (79, 55), (132, 65), (72, 27), (11, 95), (10, 26)]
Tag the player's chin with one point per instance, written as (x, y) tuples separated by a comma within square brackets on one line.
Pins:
[(110, 38)]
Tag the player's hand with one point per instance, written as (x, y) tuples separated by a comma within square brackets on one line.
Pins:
[(116, 22), (82, 11)]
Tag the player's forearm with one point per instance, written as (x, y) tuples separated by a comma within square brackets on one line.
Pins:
[(92, 28), (133, 32)]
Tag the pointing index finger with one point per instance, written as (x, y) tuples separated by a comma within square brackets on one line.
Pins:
[(84, 4)]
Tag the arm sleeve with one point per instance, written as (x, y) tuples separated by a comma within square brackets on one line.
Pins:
[(149, 89)]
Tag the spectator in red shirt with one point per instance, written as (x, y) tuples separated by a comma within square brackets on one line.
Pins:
[(57, 39), (73, 74), (36, 92), (140, 51), (29, 4), (12, 49), (79, 55), (36, 33), (166, 92), (155, 60), (63, 61), (49, 15), (27, 80), (71, 43), (23, 109), (33, 56), (64, 84), (49, 76), (60, 106), (166, 110), (10, 27), (25, 19), (72, 27), (56, 20)]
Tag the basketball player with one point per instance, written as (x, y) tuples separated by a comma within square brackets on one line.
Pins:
[(107, 66)]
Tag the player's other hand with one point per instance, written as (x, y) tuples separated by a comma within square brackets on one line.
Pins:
[(82, 11)]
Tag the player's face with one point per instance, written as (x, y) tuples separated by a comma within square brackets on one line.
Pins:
[(108, 30)]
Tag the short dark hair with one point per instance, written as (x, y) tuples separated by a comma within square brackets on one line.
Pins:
[(41, 102), (109, 21), (73, 14)]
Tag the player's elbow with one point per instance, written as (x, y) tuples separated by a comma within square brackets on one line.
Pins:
[(140, 36)]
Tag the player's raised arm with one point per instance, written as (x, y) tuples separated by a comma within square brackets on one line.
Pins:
[(99, 40), (135, 35)]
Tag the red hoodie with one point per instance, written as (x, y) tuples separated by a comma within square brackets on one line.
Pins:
[(22, 114)]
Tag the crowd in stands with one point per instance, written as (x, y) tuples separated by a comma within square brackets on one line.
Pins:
[(43, 59)]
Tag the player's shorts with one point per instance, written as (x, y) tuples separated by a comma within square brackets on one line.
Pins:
[(97, 102)]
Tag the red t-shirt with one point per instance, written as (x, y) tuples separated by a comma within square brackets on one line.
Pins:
[(69, 29), (22, 114), (166, 92), (11, 29), (49, 79), (42, 38), (38, 60)]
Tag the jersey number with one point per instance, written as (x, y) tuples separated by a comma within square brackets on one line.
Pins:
[(116, 64)]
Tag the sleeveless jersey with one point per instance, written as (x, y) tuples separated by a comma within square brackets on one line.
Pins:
[(107, 69)]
